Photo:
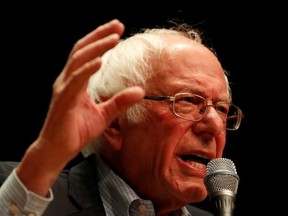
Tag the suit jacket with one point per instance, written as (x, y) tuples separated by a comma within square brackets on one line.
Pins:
[(76, 191)]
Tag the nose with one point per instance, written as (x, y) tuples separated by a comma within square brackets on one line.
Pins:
[(211, 121)]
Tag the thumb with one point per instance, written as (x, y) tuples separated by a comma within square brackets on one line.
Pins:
[(122, 101)]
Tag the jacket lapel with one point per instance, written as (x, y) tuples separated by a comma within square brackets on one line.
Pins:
[(83, 188)]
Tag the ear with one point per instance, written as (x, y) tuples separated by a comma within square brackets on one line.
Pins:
[(113, 135)]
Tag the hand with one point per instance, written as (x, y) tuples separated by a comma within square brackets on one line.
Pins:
[(74, 119)]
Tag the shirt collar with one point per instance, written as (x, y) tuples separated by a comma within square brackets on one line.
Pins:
[(119, 198)]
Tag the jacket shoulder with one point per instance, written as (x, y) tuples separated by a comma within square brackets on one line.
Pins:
[(6, 167), (196, 211)]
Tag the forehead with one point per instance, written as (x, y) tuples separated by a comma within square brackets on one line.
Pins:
[(187, 64)]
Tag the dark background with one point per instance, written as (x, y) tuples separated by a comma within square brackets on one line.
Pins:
[(37, 38)]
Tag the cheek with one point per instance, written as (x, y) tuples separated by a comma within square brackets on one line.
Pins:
[(162, 133), (164, 136), (175, 135)]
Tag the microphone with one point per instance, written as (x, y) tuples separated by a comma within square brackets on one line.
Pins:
[(221, 181)]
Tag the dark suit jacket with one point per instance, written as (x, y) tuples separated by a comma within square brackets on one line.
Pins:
[(76, 192)]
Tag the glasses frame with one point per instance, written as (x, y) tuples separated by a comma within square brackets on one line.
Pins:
[(172, 99)]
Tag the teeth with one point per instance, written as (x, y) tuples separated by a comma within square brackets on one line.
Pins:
[(202, 156), (196, 164)]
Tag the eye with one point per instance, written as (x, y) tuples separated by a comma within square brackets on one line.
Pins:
[(223, 108), (195, 100)]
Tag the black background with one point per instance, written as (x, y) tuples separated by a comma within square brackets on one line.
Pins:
[(37, 38)]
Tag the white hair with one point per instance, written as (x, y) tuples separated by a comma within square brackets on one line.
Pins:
[(129, 64)]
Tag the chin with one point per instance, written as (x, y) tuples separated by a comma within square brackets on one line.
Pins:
[(197, 194)]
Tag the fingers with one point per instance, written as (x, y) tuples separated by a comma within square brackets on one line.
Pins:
[(92, 51), (85, 57), (76, 84), (121, 102), (93, 45), (114, 26)]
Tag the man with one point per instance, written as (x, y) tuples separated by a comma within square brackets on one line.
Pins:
[(148, 121)]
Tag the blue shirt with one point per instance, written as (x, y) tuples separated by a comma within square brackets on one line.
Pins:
[(119, 199)]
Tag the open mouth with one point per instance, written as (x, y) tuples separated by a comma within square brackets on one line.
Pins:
[(194, 160)]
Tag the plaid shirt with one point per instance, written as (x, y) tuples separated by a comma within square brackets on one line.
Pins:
[(120, 200)]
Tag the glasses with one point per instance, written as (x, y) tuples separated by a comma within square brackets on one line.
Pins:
[(192, 107)]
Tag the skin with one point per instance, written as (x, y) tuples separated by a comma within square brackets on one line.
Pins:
[(73, 119), (147, 154), (153, 146)]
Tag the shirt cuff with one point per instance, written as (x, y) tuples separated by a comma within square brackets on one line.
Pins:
[(16, 196)]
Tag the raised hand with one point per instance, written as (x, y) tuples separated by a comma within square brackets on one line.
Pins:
[(74, 119)]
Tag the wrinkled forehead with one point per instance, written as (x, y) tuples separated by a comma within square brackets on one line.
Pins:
[(188, 63), (182, 55)]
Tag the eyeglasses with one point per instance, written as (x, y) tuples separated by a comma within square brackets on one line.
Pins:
[(192, 107)]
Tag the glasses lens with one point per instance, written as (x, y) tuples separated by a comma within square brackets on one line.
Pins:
[(192, 107), (189, 106), (233, 118)]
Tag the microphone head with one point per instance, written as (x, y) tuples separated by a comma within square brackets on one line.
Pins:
[(221, 175)]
